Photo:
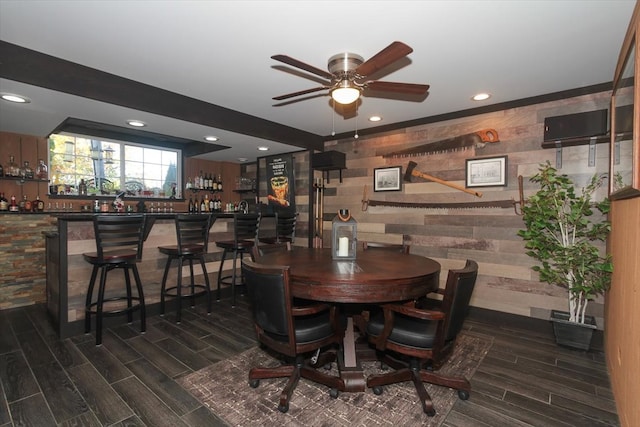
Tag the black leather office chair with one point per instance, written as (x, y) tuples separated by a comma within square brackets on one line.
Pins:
[(427, 337), (291, 331), (192, 233), (245, 232), (285, 228), (119, 240)]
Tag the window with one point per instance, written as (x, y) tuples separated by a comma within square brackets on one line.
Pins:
[(112, 167)]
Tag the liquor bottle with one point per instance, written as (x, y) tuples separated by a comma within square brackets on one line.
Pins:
[(12, 168), (27, 205), (205, 203), (4, 203), (1, 171), (219, 182), (13, 207), (27, 171), (189, 184), (202, 207), (214, 185), (190, 206), (42, 171), (201, 180), (38, 205), (212, 204), (82, 188)]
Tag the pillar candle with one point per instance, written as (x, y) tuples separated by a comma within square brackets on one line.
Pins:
[(343, 246)]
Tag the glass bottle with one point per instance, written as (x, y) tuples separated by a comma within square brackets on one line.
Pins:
[(13, 169), (27, 205), (1, 171), (82, 188), (4, 203), (219, 182), (38, 205), (27, 170), (42, 171), (13, 207)]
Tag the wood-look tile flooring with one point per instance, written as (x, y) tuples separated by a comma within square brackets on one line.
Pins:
[(130, 380)]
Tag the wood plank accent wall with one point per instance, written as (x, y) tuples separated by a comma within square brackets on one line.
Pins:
[(622, 336), (488, 235)]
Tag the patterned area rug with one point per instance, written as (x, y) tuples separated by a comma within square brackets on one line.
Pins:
[(223, 387)]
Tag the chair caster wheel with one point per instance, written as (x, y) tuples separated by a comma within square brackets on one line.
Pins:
[(431, 413), (254, 383), (377, 390), (334, 393), (283, 408), (463, 394), (327, 366)]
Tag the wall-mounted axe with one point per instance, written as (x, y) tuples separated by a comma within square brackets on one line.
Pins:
[(410, 172)]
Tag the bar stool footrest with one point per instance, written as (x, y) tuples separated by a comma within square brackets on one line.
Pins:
[(172, 291), (125, 310)]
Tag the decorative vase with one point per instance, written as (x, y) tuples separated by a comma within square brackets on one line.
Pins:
[(572, 334)]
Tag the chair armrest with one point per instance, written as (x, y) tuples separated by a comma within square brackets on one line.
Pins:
[(409, 310), (309, 309)]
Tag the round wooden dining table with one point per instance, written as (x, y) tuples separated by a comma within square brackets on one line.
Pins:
[(374, 277)]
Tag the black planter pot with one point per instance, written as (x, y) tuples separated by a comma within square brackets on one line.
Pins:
[(572, 334)]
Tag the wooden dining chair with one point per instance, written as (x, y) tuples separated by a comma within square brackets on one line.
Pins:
[(258, 251), (297, 333), (426, 337), (397, 247)]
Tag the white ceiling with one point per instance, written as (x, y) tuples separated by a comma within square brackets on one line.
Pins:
[(220, 52)]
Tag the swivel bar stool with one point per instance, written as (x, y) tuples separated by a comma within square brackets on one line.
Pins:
[(192, 232), (119, 240), (285, 228), (245, 231)]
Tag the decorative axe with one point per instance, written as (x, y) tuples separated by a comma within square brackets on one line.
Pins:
[(410, 172)]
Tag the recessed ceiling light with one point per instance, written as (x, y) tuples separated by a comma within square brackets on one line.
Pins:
[(242, 159), (136, 123), (262, 148), (481, 96), (375, 118), (12, 97), (211, 138)]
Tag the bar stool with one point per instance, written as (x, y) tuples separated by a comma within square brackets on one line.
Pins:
[(285, 228), (119, 242), (245, 231), (192, 232)]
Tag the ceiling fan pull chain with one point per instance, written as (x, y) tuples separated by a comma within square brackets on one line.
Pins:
[(356, 135), (333, 117)]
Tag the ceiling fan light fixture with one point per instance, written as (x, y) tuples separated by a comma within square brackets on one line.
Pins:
[(345, 93)]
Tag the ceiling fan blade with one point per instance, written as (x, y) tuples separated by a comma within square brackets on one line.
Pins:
[(302, 92), (386, 56), (408, 88), (299, 64)]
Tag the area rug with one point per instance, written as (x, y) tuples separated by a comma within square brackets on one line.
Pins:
[(223, 388)]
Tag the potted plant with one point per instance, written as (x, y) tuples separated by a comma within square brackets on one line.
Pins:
[(562, 233)]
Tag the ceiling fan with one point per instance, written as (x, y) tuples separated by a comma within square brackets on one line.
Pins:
[(348, 71)]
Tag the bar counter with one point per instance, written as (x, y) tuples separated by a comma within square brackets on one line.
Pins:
[(68, 274)]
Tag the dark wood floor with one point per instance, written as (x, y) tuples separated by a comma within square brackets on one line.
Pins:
[(524, 380)]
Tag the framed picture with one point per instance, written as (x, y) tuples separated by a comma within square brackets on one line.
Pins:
[(387, 179), (486, 172)]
